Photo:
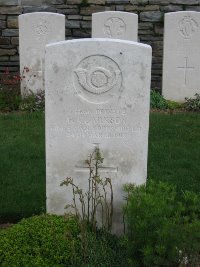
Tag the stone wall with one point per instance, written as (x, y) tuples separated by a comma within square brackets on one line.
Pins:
[(78, 23)]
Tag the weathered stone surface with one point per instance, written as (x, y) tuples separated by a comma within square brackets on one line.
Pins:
[(181, 63), (15, 40), (68, 11), (2, 24), (31, 9), (115, 25), (4, 40), (35, 31), (193, 8), (74, 17), (97, 95), (159, 2), (83, 33), (185, 2), (8, 2), (3, 58), (11, 10), (151, 16), (72, 24), (91, 9), (40, 2), (73, 2), (86, 24), (12, 22), (96, 2), (15, 58), (171, 8), (7, 52), (10, 32)]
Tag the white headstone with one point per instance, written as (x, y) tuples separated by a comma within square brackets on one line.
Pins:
[(181, 64), (115, 25), (35, 31), (97, 94)]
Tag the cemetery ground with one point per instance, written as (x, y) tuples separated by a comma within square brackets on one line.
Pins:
[(174, 152)]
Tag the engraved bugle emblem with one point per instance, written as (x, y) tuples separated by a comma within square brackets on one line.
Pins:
[(98, 74)]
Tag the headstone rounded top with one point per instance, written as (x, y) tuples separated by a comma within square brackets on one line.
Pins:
[(91, 40), (40, 14), (115, 25)]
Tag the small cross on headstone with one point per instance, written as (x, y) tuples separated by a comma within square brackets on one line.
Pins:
[(186, 68), (102, 169)]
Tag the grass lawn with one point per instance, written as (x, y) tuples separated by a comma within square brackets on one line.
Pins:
[(174, 154)]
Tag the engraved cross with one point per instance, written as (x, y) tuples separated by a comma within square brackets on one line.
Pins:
[(186, 68), (103, 169)]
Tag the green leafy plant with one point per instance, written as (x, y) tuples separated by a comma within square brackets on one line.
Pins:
[(33, 102), (157, 100), (55, 241), (95, 197), (10, 98), (193, 104), (174, 105), (163, 227)]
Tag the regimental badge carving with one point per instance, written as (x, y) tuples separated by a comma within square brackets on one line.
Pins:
[(114, 27), (41, 29), (98, 75), (187, 27)]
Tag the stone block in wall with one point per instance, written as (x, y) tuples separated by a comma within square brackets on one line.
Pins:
[(119, 2), (68, 32), (171, 8), (72, 24), (97, 2), (40, 2), (73, 2), (159, 2), (87, 18), (185, 2), (14, 58), (30, 9), (192, 8), (153, 16), (86, 24), (17, 10), (2, 17), (9, 63), (75, 17), (145, 25), (119, 8), (2, 24), (12, 22), (7, 52), (81, 33), (4, 58), (149, 8), (159, 29), (8, 2), (10, 32), (68, 11), (91, 9), (143, 32), (15, 40), (4, 40), (11, 68)]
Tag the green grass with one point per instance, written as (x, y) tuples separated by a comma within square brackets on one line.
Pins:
[(22, 165), (174, 153), (174, 149)]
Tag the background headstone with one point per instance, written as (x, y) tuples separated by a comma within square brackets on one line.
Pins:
[(97, 94), (115, 25), (181, 63), (35, 31)]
